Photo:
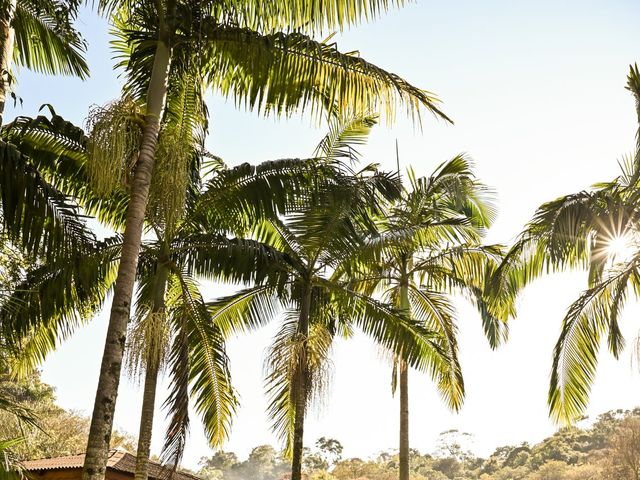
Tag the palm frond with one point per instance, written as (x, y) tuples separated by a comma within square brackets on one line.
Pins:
[(43, 44), (282, 72), (575, 356), (246, 310), (209, 376), (54, 299), (435, 311), (346, 131), (42, 220)]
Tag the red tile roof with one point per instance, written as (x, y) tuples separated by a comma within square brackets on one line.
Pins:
[(120, 460)]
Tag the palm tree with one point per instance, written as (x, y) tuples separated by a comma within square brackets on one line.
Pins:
[(315, 305), (39, 35), (597, 230), (169, 311), (240, 51), (428, 247)]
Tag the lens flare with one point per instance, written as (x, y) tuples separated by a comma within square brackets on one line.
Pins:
[(620, 249)]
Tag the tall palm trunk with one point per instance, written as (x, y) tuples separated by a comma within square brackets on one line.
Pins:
[(7, 35), (404, 420), (302, 387), (107, 391), (151, 380), (404, 387)]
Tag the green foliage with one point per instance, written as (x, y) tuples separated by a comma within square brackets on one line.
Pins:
[(57, 432), (578, 231), (606, 450), (427, 247), (263, 463), (45, 40)]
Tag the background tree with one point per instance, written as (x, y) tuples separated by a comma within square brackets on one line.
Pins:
[(318, 237), (596, 230), (427, 248)]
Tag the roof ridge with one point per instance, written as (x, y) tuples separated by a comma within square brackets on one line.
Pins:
[(56, 456)]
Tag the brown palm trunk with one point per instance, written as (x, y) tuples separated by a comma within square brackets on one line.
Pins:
[(301, 388), (107, 391), (146, 421), (404, 386), (151, 382), (7, 36)]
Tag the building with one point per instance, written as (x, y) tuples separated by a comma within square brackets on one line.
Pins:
[(121, 465)]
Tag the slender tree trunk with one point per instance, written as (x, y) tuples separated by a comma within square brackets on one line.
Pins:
[(151, 380), (404, 420), (7, 35), (146, 420), (105, 402), (404, 387), (301, 388)]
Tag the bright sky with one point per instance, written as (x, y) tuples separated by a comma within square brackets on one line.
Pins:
[(536, 91)]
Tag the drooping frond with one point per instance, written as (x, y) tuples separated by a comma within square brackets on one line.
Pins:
[(45, 41), (209, 377), (435, 311), (308, 14), (53, 300), (282, 72), (467, 270), (575, 356), (388, 327), (39, 218), (177, 402)]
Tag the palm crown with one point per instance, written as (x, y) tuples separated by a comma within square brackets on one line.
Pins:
[(580, 231)]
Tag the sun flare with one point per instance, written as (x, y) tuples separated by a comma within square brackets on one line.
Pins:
[(620, 248)]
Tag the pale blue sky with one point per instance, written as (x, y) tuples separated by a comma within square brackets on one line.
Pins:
[(537, 93)]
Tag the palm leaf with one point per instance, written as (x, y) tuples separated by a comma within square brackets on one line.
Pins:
[(42, 45), (575, 356)]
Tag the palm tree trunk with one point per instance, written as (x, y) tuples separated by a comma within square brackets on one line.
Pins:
[(151, 381), (301, 388), (7, 35), (107, 391), (404, 387), (404, 420), (146, 420)]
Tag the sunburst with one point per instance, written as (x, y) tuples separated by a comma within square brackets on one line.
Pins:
[(620, 248)]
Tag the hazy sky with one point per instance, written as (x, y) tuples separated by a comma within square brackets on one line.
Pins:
[(537, 93)]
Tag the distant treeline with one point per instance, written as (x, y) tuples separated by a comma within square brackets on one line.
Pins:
[(607, 449)]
